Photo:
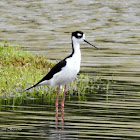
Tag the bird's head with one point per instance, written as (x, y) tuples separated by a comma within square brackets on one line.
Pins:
[(79, 36)]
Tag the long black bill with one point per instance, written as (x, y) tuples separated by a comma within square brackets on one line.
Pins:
[(90, 44)]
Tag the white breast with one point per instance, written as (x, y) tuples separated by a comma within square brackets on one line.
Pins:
[(69, 72)]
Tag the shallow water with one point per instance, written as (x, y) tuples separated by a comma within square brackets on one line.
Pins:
[(45, 27)]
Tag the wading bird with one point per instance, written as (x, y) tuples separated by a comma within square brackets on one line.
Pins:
[(66, 70)]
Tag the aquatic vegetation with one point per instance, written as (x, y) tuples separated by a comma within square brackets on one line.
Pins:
[(20, 69)]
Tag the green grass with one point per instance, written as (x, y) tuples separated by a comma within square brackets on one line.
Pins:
[(20, 69)]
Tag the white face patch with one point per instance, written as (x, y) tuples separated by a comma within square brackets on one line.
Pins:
[(79, 35)]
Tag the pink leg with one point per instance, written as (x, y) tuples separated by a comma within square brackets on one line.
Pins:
[(62, 116), (62, 120), (63, 99), (56, 103), (56, 119)]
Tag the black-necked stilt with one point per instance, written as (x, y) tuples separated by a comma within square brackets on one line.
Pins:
[(66, 70)]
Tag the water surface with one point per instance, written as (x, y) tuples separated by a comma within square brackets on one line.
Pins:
[(45, 27)]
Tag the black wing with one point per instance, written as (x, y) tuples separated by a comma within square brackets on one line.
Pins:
[(52, 72)]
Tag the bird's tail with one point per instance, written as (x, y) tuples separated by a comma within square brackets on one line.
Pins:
[(30, 87), (37, 84)]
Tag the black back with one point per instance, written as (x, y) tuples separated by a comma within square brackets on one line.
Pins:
[(53, 71)]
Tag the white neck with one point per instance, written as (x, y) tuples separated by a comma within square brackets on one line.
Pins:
[(76, 45), (76, 49), (74, 60)]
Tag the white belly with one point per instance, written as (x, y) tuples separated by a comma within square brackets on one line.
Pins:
[(64, 77), (67, 74)]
